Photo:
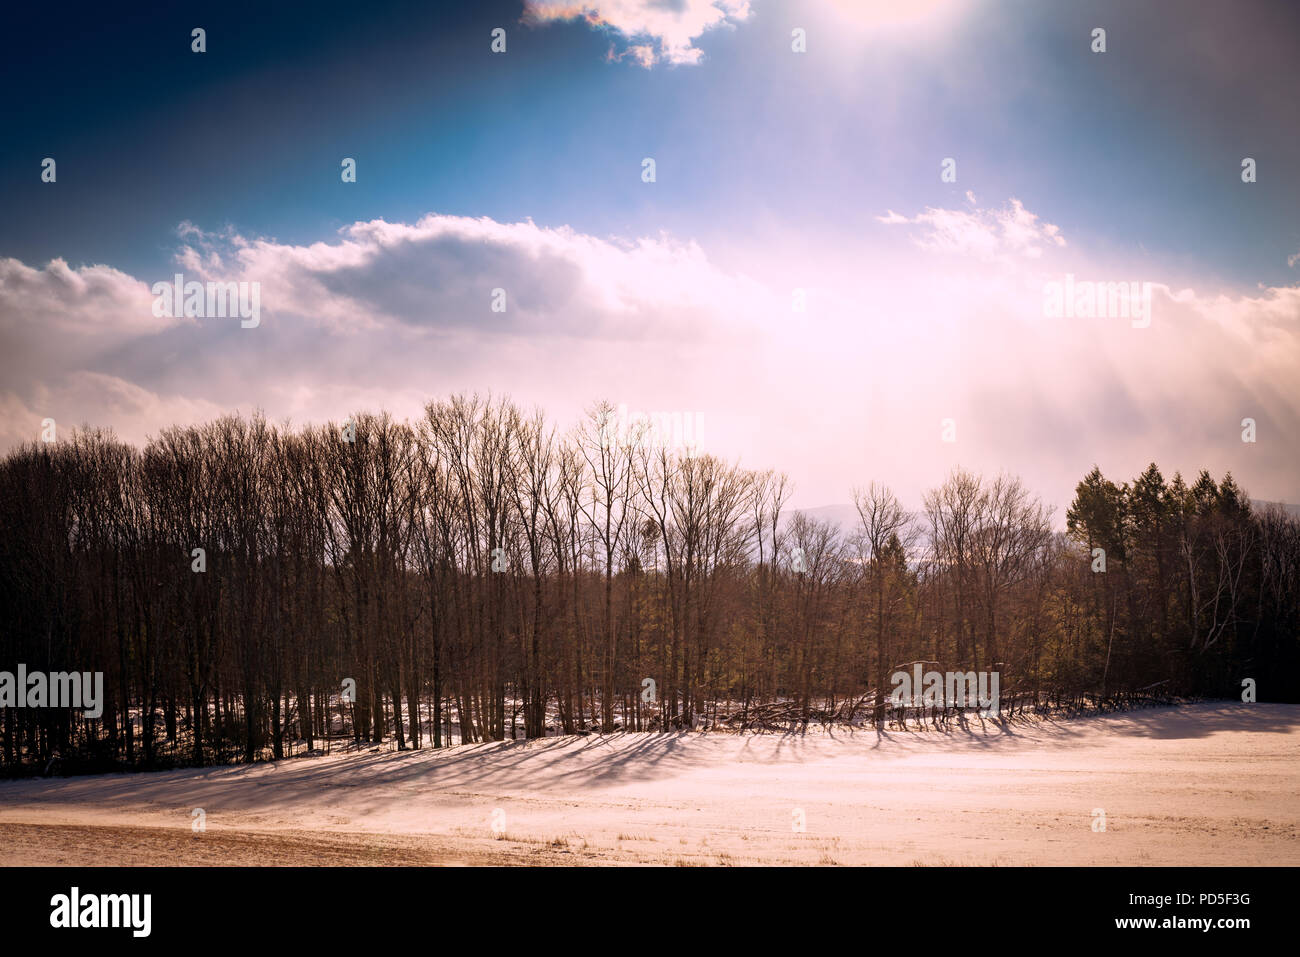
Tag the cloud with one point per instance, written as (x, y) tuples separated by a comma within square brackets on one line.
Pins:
[(982, 233), (648, 31), (385, 315), (390, 315), (439, 276)]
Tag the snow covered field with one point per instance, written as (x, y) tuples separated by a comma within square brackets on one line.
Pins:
[(1201, 784)]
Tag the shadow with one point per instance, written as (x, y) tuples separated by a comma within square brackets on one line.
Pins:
[(356, 785)]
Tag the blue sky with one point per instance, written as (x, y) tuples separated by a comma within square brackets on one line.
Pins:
[(1135, 149), (779, 168)]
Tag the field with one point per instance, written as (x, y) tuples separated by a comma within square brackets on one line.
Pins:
[(1199, 784)]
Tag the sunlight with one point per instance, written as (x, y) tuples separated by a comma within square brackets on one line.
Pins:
[(874, 14)]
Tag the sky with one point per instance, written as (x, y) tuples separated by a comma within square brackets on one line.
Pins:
[(800, 281)]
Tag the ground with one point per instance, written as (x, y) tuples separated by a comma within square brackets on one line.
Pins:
[(1199, 784)]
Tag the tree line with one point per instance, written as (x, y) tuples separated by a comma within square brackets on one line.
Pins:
[(253, 590)]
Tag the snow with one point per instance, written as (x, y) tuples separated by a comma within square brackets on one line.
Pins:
[(1211, 783)]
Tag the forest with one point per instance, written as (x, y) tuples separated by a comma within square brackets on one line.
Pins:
[(256, 591)]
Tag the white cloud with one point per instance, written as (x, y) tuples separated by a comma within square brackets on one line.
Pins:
[(979, 232), (438, 276), (389, 315), (650, 31)]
